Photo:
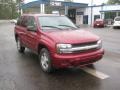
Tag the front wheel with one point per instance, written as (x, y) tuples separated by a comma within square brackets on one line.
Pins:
[(20, 48), (45, 60)]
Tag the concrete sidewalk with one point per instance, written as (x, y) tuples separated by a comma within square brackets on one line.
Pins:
[(4, 21)]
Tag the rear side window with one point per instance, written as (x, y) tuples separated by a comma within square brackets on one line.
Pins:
[(22, 21)]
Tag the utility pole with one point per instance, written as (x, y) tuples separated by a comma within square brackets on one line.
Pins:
[(19, 5), (102, 5), (91, 11)]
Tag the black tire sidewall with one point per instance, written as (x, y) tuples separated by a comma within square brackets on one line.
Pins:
[(21, 49)]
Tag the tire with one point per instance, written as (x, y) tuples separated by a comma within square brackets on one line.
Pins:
[(20, 48), (45, 60), (90, 65), (114, 27)]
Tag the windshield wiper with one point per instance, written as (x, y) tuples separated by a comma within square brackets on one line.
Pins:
[(52, 27), (68, 26)]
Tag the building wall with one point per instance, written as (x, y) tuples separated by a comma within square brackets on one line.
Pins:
[(32, 10), (111, 7), (95, 11), (87, 11), (79, 18)]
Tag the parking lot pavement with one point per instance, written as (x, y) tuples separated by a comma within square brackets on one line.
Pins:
[(22, 71)]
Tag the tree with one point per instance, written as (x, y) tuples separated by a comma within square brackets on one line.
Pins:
[(113, 2), (8, 9)]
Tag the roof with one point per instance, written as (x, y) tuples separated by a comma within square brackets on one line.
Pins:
[(37, 4)]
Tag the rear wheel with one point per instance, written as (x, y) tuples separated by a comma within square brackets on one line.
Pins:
[(20, 48), (45, 60), (114, 27)]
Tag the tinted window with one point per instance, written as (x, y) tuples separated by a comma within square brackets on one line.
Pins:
[(24, 21), (99, 20)]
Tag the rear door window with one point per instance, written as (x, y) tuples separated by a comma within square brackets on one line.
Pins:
[(24, 21)]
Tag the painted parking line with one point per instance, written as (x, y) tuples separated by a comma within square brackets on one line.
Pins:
[(95, 73)]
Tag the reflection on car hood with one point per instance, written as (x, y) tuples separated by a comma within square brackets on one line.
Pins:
[(72, 36)]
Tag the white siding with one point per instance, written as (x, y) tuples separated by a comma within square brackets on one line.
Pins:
[(97, 9), (79, 18)]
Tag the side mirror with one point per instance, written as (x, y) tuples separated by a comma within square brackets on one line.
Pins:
[(31, 28)]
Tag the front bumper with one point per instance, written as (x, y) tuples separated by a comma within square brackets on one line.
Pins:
[(116, 25), (71, 60)]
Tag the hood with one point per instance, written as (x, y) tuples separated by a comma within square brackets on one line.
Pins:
[(72, 36)]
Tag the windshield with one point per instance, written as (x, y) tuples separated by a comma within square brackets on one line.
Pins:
[(55, 22), (99, 20), (117, 19)]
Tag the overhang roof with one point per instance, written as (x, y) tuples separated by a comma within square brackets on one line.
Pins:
[(110, 11), (37, 4)]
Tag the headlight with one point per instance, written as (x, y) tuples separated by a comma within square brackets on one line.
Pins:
[(99, 44), (63, 48)]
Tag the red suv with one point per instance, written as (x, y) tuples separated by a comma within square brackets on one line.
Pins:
[(99, 23), (57, 41)]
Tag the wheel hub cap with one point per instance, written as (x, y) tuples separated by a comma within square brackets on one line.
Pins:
[(44, 61)]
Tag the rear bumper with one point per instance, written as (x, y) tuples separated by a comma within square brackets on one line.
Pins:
[(116, 25), (70, 60), (100, 25)]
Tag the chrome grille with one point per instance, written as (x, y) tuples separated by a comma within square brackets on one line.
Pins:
[(89, 46), (84, 44)]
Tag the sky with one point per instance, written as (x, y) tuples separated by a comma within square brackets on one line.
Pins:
[(95, 2)]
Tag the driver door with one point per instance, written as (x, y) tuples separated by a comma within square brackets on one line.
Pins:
[(31, 35)]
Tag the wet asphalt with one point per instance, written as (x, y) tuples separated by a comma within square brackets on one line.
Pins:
[(22, 71)]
